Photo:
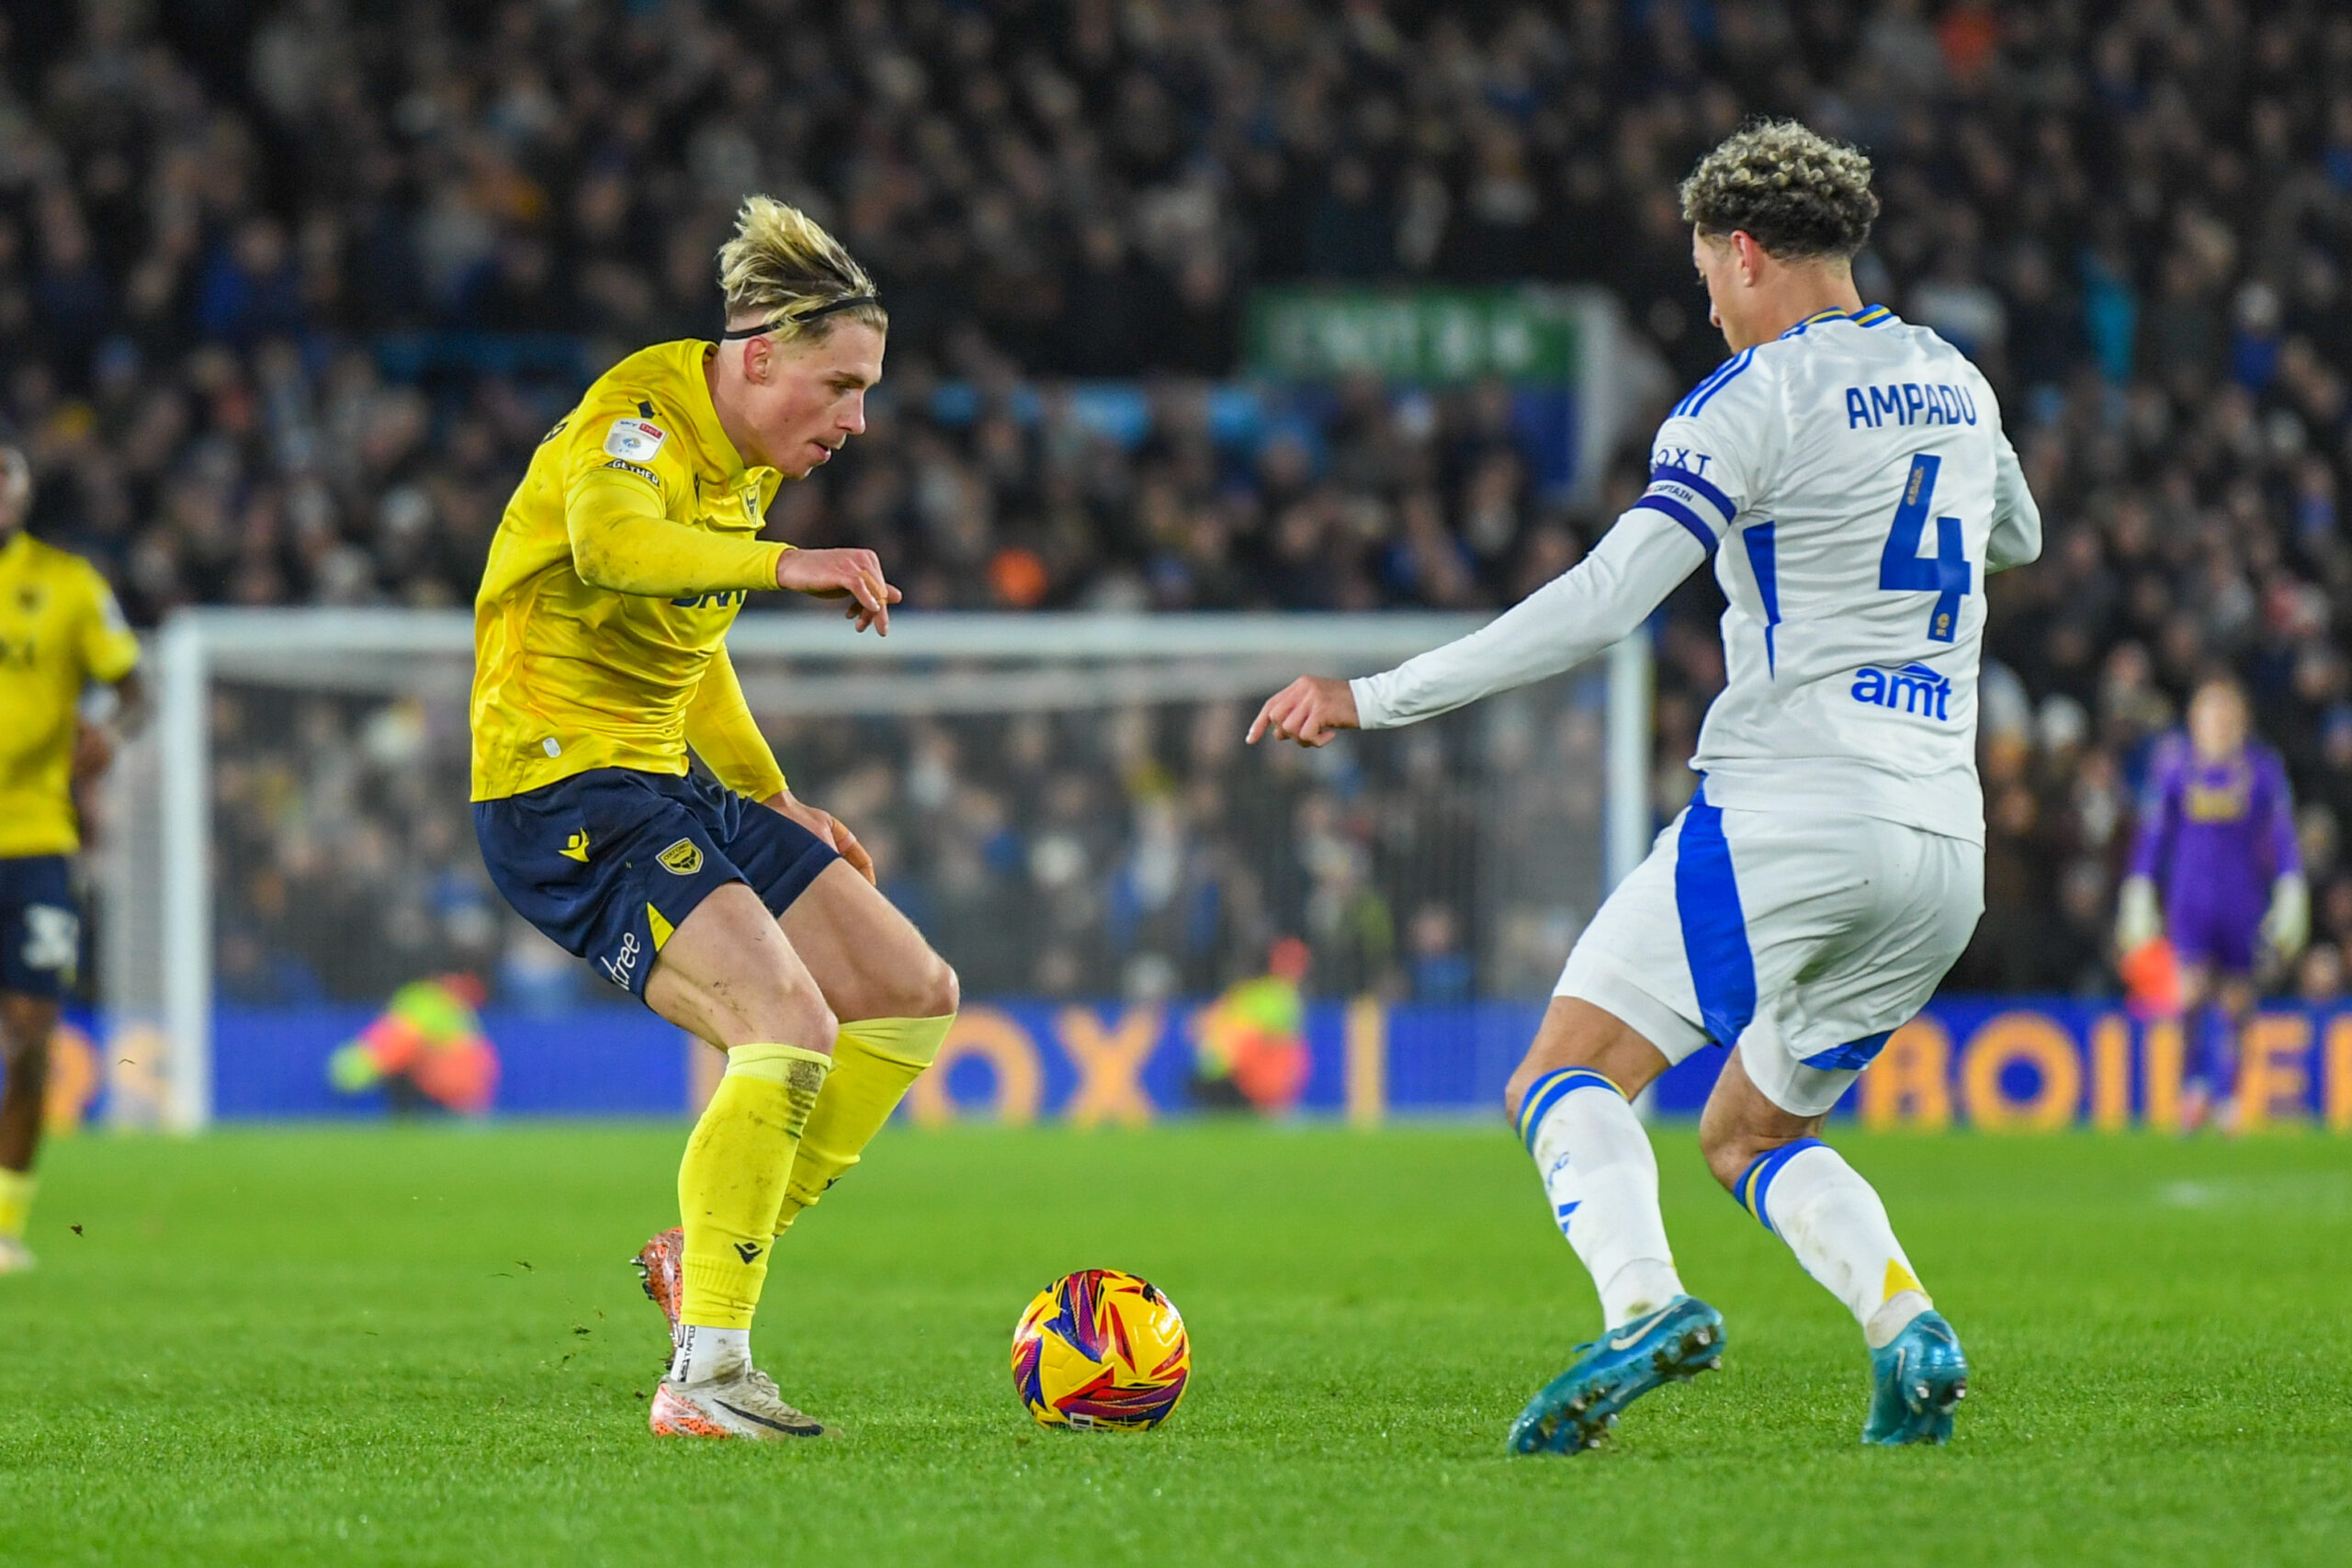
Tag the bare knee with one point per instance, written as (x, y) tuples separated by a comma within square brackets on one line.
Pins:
[(804, 1020), (1574, 1034), (934, 992), (729, 975), (785, 1011), (1728, 1155), (1740, 1126), (923, 988)]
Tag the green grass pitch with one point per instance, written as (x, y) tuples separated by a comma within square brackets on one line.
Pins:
[(422, 1346)]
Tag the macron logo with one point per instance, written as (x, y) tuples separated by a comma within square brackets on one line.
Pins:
[(1914, 689)]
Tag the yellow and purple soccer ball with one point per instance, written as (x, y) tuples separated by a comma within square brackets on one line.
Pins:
[(1101, 1351)]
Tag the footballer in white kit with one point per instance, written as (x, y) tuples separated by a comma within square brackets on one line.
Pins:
[(1848, 475)]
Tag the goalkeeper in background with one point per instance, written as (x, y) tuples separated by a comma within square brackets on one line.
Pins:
[(60, 631), (2217, 846), (732, 909)]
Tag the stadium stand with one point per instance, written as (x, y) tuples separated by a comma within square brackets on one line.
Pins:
[(287, 292)]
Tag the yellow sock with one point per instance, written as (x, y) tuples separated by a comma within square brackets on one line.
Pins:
[(875, 1060), (15, 1202), (732, 1178)]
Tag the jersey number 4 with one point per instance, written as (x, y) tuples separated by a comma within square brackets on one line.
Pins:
[(1903, 570)]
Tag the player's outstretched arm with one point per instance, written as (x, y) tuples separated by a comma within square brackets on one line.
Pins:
[(623, 542), (1562, 624)]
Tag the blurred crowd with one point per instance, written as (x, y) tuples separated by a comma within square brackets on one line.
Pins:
[(1128, 851), (288, 292)]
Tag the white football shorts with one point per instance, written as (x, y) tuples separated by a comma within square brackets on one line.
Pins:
[(1803, 938)]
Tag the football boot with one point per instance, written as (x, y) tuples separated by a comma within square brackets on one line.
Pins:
[(742, 1403), (657, 1264), (1915, 1379), (1575, 1410)]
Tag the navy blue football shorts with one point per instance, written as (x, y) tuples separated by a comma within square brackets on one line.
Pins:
[(40, 929), (610, 862)]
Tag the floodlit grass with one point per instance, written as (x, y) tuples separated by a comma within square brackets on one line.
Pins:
[(422, 1346)]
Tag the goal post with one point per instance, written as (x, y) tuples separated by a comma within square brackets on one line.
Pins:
[(278, 732)]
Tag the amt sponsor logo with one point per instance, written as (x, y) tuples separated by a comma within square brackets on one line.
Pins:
[(1914, 689)]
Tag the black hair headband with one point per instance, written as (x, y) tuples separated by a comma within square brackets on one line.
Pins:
[(846, 302)]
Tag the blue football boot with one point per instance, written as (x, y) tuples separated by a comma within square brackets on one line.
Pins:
[(1915, 1379), (1573, 1411)]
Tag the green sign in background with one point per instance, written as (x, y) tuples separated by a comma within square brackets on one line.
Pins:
[(1416, 334)]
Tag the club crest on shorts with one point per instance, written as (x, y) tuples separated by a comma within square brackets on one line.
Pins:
[(682, 859)]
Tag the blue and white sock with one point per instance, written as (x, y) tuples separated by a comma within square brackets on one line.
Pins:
[(1601, 1175), (1833, 1221)]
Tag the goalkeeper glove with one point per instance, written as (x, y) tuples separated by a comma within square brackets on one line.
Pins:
[(2287, 925), (2138, 920)]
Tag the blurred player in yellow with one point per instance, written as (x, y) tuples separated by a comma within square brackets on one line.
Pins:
[(731, 908), (60, 631)]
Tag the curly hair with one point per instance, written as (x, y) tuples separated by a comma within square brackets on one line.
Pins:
[(783, 268), (1797, 194)]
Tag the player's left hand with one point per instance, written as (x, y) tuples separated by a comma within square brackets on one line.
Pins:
[(833, 574), (1310, 710), (826, 826), (94, 748)]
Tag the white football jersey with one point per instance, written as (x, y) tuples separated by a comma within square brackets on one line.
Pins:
[(1853, 480)]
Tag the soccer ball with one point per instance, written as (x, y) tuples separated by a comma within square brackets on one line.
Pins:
[(1101, 1351)]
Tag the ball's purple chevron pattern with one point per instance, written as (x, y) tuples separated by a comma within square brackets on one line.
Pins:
[(1102, 1350)]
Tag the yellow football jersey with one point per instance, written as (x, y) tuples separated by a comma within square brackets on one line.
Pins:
[(60, 629), (620, 563)]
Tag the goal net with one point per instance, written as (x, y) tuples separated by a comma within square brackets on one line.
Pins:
[(1062, 802)]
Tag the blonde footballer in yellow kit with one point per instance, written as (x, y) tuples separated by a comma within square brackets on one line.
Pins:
[(60, 630), (731, 908)]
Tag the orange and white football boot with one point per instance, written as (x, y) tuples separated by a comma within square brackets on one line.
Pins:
[(741, 1402), (657, 1264)]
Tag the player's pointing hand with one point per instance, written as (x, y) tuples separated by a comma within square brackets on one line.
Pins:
[(834, 574), (1310, 710)]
